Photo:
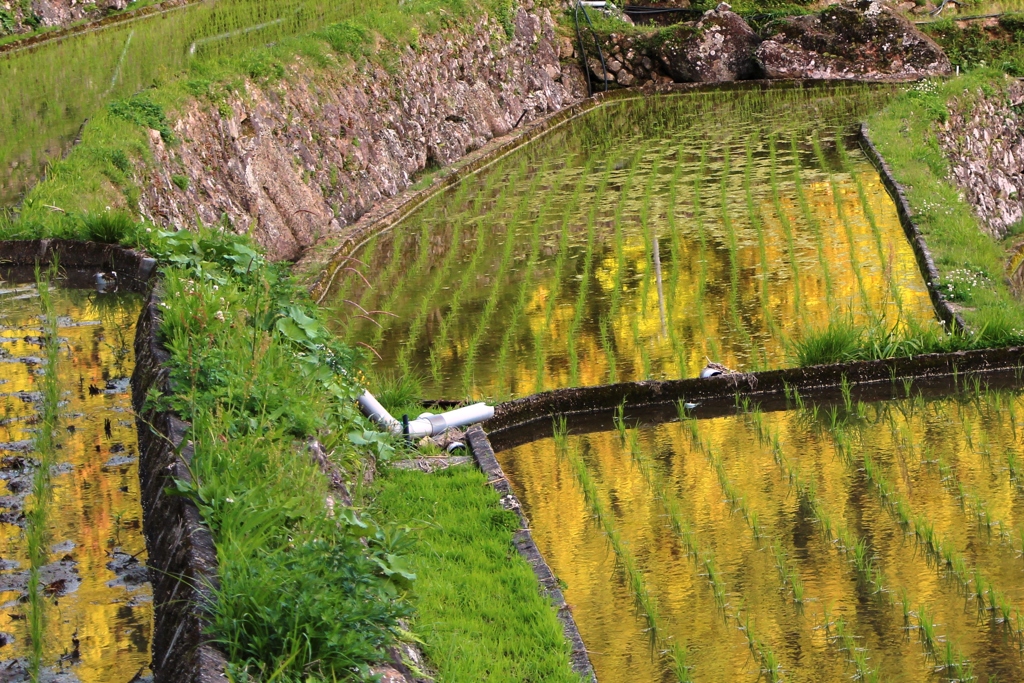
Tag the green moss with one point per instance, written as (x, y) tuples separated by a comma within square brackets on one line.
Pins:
[(976, 46), (479, 611)]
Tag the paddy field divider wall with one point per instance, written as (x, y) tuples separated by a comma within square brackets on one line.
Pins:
[(943, 308)]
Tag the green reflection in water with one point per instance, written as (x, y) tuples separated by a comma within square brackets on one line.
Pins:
[(637, 241), (741, 486), (95, 517)]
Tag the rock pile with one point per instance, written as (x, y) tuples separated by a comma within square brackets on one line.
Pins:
[(983, 138), (861, 40)]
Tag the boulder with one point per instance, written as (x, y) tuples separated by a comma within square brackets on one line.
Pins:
[(861, 40), (720, 47)]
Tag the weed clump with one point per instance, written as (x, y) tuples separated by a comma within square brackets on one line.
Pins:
[(142, 111), (110, 227), (307, 591)]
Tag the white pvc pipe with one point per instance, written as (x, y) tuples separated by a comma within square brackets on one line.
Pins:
[(426, 424)]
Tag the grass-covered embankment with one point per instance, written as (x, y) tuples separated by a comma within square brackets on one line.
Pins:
[(971, 263), (481, 616), (110, 163)]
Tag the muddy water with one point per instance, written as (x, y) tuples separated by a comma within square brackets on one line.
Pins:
[(954, 462), (98, 609), (636, 242)]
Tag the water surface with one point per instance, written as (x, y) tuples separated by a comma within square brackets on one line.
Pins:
[(954, 462), (99, 602), (636, 243)]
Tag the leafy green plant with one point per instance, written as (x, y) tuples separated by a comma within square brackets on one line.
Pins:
[(143, 111)]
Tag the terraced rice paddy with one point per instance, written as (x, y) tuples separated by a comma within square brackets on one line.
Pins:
[(75, 602), (49, 91), (878, 542), (636, 242)]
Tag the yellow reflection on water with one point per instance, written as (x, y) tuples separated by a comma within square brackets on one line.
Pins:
[(749, 259), (949, 459), (95, 508)]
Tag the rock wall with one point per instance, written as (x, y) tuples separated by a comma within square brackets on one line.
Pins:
[(17, 16), (983, 138), (858, 40), (297, 160)]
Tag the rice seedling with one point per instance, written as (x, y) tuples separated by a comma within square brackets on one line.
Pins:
[(483, 319), (755, 220), (540, 336), (45, 446), (733, 246), (837, 202), (711, 345), (787, 227), (812, 222), (582, 297)]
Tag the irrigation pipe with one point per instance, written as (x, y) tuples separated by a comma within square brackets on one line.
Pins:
[(427, 424)]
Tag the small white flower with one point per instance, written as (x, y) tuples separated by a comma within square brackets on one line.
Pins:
[(219, 315), (229, 500)]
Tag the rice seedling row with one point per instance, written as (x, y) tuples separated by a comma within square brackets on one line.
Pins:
[(644, 601), (496, 288), (37, 526), (812, 221), (941, 551), (847, 228)]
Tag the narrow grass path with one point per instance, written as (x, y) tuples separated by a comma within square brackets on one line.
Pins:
[(479, 613)]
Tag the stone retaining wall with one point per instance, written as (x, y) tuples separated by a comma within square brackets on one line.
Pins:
[(182, 556)]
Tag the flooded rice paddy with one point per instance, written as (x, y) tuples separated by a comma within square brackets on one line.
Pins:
[(878, 541), (635, 243), (96, 602), (51, 89)]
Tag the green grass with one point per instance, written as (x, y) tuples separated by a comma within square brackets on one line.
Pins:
[(479, 612), (307, 592), (51, 91), (905, 134), (974, 45)]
